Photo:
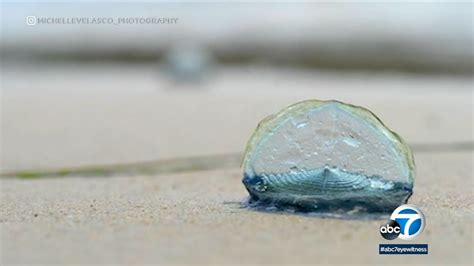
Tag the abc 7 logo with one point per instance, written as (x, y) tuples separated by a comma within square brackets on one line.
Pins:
[(406, 222)]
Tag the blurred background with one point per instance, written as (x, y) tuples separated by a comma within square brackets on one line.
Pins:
[(197, 82)]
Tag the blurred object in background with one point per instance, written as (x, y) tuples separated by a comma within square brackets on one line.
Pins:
[(188, 63)]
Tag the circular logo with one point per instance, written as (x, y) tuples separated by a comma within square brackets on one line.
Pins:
[(390, 230), (410, 220), (30, 20)]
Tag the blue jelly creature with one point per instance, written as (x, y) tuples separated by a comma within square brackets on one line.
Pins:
[(327, 156)]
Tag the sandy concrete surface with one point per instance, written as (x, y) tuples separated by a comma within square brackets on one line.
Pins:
[(72, 116), (82, 114), (196, 218)]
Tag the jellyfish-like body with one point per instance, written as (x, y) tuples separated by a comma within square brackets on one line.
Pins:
[(327, 156)]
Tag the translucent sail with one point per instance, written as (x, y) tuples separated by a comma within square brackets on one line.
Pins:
[(327, 155)]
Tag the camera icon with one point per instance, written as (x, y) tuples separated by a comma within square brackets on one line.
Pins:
[(31, 20)]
